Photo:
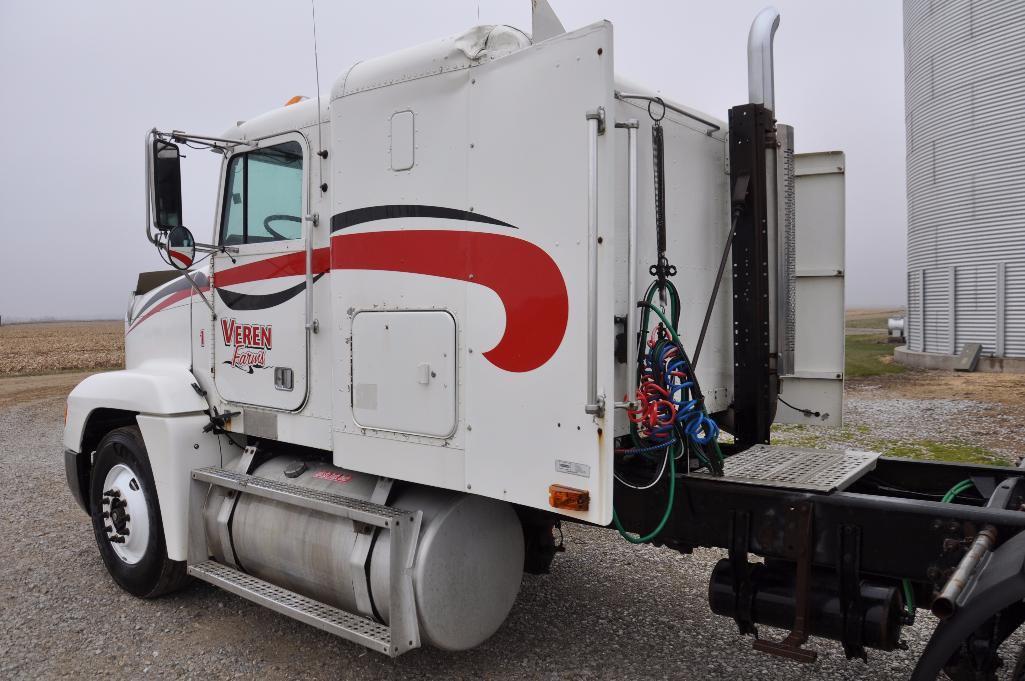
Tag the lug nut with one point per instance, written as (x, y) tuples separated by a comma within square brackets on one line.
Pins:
[(125, 532), (105, 515), (117, 540), (108, 529)]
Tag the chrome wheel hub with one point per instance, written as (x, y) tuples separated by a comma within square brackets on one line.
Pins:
[(125, 516)]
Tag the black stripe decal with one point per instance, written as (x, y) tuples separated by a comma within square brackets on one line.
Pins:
[(170, 287), (253, 301), (358, 216)]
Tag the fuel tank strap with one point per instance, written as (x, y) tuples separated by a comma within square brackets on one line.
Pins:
[(361, 552)]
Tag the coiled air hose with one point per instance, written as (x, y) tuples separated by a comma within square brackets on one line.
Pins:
[(669, 414)]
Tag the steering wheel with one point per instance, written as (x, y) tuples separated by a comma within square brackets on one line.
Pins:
[(270, 218)]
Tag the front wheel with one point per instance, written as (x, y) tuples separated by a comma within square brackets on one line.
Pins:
[(126, 518)]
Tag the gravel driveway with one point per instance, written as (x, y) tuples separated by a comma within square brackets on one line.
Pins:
[(607, 610)]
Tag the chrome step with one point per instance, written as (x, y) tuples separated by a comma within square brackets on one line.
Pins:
[(325, 502), (355, 628)]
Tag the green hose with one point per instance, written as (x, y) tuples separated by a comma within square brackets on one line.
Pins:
[(955, 490), (909, 598), (909, 595), (665, 516)]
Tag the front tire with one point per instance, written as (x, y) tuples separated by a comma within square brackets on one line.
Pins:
[(126, 517)]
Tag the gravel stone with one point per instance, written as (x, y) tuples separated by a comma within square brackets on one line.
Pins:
[(608, 610)]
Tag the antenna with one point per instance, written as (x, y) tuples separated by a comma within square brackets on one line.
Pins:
[(316, 69)]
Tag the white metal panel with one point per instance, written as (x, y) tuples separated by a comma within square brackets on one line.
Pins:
[(502, 151), (965, 84), (697, 224), (817, 380), (362, 177), (404, 371), (528, 164)]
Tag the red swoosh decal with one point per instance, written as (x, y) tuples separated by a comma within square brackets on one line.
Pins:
[(288, 265), (164, 304), (525, 278)]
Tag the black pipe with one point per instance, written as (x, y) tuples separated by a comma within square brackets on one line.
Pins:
[(772, 602)]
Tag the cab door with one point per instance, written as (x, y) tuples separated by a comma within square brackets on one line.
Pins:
[(260, 341)]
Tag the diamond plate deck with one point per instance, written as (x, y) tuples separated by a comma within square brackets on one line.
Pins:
[(815, 470)]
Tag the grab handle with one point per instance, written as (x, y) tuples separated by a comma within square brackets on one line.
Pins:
[(596, 126)]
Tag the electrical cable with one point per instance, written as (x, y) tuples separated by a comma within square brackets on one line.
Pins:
[(806, 412), (665, 462), (665, 516)]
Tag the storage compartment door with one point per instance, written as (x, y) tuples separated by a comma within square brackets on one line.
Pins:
[(404, 372)]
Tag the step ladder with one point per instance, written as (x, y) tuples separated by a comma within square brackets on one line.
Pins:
[(400, 635)]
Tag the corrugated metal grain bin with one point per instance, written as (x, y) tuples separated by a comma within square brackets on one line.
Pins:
[(965, 94)]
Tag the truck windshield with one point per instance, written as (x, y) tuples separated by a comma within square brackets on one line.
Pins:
[(263, 196)]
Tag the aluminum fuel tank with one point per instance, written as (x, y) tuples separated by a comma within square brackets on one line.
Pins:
[(466, 573)]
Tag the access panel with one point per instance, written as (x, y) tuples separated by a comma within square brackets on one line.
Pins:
[(404, 371)]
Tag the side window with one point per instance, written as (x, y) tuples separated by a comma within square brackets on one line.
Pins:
[(232, 232), (263, 196)]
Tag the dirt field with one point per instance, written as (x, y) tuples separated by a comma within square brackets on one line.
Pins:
[(51, 347)]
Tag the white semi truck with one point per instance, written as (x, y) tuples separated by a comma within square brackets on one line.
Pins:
[(484, 287)]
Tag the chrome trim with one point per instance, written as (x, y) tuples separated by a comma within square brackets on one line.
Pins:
[(596, 126), (631, 126)]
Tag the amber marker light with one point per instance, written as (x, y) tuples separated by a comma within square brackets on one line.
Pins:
[(295, 100), (568, 498)]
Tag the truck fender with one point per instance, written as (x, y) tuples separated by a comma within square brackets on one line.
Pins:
[(176, 445), (171, 415), (162, 391)]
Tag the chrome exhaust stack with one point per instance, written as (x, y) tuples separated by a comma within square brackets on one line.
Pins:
[(761, 86), (780, 199)]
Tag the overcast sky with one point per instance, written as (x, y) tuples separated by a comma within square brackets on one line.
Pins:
[(82, 82)]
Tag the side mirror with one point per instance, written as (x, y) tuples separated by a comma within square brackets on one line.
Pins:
[(167, 185), (180, 248)]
